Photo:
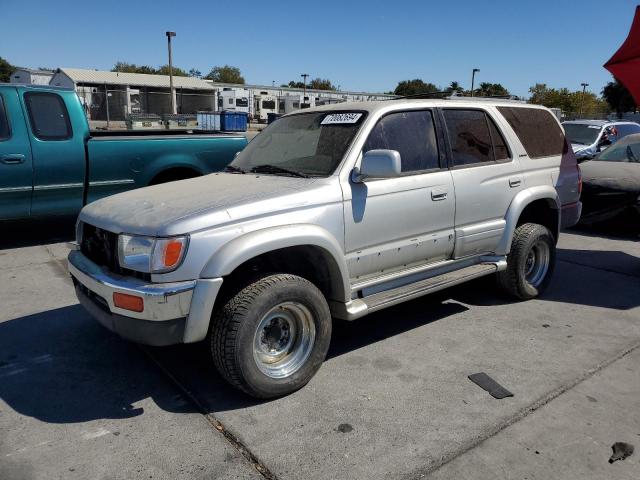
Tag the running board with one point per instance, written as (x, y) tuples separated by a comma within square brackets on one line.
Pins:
[(362, 306)]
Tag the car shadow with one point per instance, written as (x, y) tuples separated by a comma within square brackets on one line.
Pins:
[(60, 366), (27, 233), (595, 278)]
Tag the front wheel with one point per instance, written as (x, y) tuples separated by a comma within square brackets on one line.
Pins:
[(272, 337), (530, 263)]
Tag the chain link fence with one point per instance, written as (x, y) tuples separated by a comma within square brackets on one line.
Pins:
[(115, 104)]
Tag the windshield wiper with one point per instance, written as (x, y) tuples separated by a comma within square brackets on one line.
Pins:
[(267, 168), (233, 169)]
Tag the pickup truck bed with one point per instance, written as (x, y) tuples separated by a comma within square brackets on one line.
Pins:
[(51, 164)]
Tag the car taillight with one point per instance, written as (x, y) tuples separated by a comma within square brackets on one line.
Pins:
[(579, 179)]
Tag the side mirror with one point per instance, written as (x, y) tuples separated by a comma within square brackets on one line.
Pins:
[(378, 164)]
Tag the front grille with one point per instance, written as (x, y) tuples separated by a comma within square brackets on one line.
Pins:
[(101, 247)]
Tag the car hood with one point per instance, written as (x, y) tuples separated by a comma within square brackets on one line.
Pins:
[(618, 176), (169, 208)]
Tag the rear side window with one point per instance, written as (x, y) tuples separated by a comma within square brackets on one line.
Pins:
[(474, 137), (537, 129), (48, 116), (5, 132), (412, 134)]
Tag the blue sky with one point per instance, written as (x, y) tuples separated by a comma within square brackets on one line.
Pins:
[(359, 45)]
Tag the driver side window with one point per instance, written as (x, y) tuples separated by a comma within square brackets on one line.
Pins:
[(412, 134)]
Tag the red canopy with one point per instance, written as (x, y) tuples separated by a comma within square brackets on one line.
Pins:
[(625, 63)]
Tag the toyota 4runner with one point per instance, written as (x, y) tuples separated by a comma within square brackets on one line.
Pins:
[(336, 211)]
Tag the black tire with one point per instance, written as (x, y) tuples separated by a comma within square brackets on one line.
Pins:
[(514, 280), (234, 326)]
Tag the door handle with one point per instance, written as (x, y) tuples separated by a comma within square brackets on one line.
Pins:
[(514, 182), (12, 158), (437, 196)]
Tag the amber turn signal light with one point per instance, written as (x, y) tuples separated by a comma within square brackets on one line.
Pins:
[(172, 253), (128, 302)]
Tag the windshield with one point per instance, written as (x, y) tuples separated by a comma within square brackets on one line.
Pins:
[(309, 144), (622, 152), (581, 133)]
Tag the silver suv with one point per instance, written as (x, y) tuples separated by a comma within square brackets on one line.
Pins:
[(336, 211)]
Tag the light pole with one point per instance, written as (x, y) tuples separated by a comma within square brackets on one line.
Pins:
[(473, 78), (584, 87), (172, 92), (304, 87)]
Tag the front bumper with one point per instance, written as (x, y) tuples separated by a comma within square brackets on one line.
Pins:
[(163, 321)]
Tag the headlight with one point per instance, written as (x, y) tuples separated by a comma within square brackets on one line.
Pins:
[(151, 255)]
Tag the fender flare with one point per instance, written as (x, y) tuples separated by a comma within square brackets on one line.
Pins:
[(241, 249), (518, 204)]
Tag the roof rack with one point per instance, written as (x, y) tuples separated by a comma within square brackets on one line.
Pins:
[(445, 95)]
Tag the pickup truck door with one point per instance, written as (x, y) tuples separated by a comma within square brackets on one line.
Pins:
[(392, 224), (57, 145), (15, 158), (486, 177)]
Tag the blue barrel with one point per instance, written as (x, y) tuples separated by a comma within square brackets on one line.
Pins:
[(231, 121)]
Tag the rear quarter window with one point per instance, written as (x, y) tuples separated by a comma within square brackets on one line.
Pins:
[(48, 116), (537, 129)]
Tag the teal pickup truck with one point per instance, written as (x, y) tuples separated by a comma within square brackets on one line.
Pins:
[(51, 164)]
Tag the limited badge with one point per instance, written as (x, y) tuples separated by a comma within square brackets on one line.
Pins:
[(338, 118)]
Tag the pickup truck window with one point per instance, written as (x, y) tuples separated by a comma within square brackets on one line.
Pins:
[(5, 132), (537, 129), (412, 134), (48, 116), (300, 143), (469, 137)]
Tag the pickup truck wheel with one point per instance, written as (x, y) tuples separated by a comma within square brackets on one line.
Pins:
[(272, 337), (530, 263)]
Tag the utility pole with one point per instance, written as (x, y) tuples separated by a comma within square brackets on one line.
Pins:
[(172, 92), (584, 87), (473, 78), (304, 86)]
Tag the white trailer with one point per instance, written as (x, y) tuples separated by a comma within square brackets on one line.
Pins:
[(263, 105), (291, 103), (236, 99)]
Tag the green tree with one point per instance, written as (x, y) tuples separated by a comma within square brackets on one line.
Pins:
[(6, 69), (454, 87), (177, 72), (125, 67), (414, 87), (487, 89), (618, 97), (293, 84), (568, 101), (226, 74), (194, 72), (321, 84)]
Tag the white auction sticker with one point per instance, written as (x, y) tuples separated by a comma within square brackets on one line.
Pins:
[(336, 118)]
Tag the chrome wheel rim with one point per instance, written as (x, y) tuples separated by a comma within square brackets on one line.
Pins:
[(536, 264), (284, 339)]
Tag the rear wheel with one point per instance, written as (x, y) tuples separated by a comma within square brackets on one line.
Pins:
[(272, 337), (530, 263)]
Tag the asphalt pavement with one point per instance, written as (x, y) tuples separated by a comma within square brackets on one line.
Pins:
[(391, 401)]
